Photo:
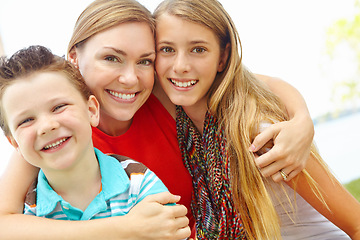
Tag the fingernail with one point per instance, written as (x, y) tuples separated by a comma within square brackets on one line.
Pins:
[(252, 147)]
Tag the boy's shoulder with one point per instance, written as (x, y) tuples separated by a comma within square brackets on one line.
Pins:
[(129, 165)]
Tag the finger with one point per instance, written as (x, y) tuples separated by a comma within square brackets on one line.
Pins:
[(272, 169), (183, 233), (262, 138), (266, 159), (293, 174), (284, 176), (182, 222), (178, 210), (163, 198)]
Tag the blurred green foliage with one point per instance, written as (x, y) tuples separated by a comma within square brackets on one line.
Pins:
[(347, 31), (354, 188)]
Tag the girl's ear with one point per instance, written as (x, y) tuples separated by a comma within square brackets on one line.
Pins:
[(72, 57), (223, 58), (94, 111)]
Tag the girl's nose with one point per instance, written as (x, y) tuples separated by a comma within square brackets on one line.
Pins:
[(181, 63)]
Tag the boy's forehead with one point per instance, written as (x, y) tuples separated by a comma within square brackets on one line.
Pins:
[(45, 85)]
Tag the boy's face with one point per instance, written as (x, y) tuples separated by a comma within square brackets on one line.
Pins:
[(49, 120)]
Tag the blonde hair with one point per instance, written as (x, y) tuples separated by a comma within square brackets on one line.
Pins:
[(101, 15), (241, 103)]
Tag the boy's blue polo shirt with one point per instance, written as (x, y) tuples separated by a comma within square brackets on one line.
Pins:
[(118, 195)]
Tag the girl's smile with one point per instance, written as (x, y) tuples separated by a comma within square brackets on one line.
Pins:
[(188, 60)]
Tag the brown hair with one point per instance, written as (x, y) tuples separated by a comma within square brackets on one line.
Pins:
[(101, 15), (36, 59)]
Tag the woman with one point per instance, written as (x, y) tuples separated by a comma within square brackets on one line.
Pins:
[(223, 107), (113, 46)]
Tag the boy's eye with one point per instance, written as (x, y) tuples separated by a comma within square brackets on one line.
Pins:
[(198, 50), (27, 120), (166, 49), (58, 107)]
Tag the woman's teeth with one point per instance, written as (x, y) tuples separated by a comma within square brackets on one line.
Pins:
[(183, 84), (122, 95)]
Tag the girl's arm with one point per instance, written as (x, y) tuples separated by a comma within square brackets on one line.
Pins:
[(292, 139), (343, 209), (155, 220)]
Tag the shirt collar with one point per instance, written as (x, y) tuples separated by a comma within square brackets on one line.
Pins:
[(114, 181)]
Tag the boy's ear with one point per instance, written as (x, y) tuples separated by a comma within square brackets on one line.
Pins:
[(223, 58), (12, 141), (94, 111), (72, 57)]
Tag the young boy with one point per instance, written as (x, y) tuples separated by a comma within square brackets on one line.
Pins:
[(46, 112)]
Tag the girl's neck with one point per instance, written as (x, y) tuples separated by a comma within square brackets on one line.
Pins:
[(197, 114)]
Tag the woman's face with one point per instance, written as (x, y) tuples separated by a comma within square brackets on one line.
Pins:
[(118, 66), (188, 59)]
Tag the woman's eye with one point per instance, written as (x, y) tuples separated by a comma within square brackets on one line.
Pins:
[(111, 59), (146, 62), (198, 50), (166, 49)]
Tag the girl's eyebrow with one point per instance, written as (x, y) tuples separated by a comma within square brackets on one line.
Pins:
[(121, 52), (191, 42)]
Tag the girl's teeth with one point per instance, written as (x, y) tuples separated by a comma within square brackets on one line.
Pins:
[(55, 145), (121, 95), (183, 84)]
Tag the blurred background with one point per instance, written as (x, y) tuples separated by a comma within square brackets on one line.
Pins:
[(313, 45)]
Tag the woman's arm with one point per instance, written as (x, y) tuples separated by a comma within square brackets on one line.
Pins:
[(14, 184), (147, 220), (343, 209), (292, 139)]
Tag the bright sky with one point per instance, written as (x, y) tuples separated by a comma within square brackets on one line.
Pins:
[(283, 38)]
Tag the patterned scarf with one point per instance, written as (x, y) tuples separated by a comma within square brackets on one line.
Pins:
[(205, 158)]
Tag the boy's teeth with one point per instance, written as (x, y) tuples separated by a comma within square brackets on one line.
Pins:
[(121, 95), (183, 84), (55, 144)]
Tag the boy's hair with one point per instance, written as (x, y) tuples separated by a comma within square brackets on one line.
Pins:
[(31, 60)]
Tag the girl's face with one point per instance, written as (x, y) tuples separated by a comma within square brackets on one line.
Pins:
[(118, 66), (188, 59)]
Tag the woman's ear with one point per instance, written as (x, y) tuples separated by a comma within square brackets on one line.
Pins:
[(223, 58), (72, 57), (94, 111)]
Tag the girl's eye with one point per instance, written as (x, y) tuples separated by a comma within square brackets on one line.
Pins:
[(167, 49), (111, 59), (198, 50)]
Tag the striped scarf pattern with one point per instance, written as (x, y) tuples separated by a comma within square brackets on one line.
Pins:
[(205, 158)]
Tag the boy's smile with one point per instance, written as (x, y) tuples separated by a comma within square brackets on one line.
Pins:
[(49, 120)]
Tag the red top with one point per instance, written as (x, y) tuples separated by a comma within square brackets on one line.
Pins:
[(151, 140)]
